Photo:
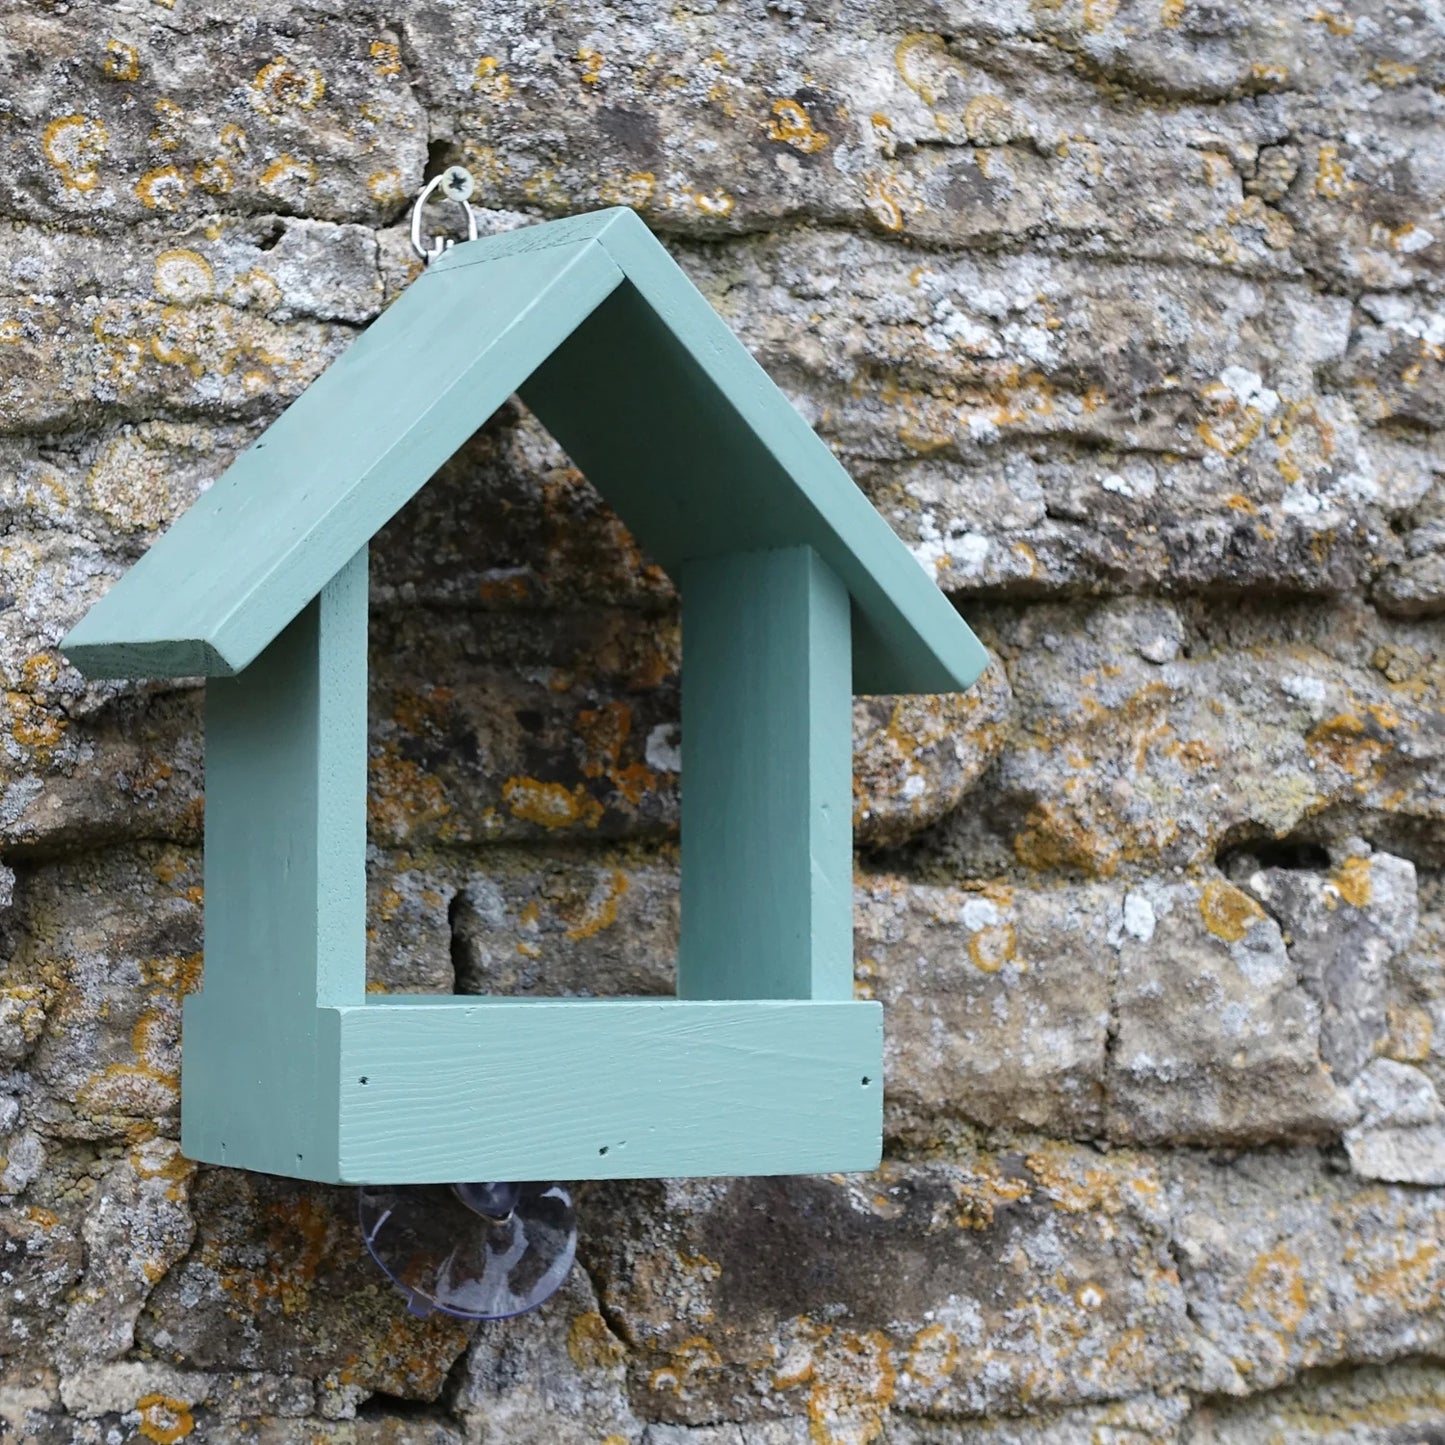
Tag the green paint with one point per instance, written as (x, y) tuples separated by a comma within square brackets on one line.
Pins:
[(607, 1089), (634, 373), (285, 891), (794, 592), (341, 460), (767, 779)]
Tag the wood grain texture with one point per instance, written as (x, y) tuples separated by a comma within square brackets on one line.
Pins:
[(285, 891), (606, 1089), (767, 779), (637, 377)]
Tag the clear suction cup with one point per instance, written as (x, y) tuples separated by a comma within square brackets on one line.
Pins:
[(477, 1251)]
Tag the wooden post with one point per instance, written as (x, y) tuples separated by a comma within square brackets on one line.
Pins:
[(767, 856), (285, 888)]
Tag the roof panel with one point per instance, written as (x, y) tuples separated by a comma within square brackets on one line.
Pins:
[(670, 417), (638, 378), (347, 454)]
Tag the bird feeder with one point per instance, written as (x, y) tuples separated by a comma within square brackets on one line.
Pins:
[(795, 594)]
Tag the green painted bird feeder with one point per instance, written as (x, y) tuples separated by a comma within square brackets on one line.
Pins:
[(795, 594)]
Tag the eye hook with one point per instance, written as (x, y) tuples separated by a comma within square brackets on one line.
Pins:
[(455, 184)]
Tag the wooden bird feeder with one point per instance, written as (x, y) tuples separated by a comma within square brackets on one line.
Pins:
[(795, 594)]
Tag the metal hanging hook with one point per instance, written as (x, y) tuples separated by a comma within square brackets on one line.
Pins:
[(455, 183)]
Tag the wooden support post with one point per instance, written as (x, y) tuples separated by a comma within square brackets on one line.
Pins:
[(285, 888), (767, 856)]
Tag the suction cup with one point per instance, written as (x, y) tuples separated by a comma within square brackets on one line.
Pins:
[(476, 1251)]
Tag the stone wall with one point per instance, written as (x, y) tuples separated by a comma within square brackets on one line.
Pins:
[(1125, 313)]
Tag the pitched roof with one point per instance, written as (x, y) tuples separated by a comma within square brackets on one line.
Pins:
[(623, 361)]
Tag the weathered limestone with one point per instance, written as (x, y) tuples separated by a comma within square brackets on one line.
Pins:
[(1129, 318)]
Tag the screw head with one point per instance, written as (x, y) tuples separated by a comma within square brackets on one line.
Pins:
[(457, 183)]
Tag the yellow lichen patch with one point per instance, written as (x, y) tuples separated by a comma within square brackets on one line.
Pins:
[(183, 276), (212, 175), (1345, 742), (121, 62), (1351, 880), (256, 289), (426, 711), (712, 203), (161, 1158), (301, 1234), (288, 170), (1275, 1288), (551, 805), (1171, 13), (490, 80), (164, 1419), (1053, 836), (279, 87), (35, 726), (991, 948), (1412, 1278), (793, 126), (1228, 912), (923, 60), (1218, 169), (406, 1356), (693, 1357), (1098, 14), (591, 1345), (385, 57), (75, 146), (1253, 214), (987, 120), (601, 908), (162, 189), (1330, 179), (1411, 237), (1335, 24), (177, 340), (128, 1091), (1269, 75), (1410, 1032), (853, 1384), (386, 187), (1078, 1186), (543, 188), (23, 1008), (635, 189), (634, 781), (166, 133), (177, 973), (1390, 73), (1231, 426), (603, 732), (933, 1355), (591, 63), (882, 198), (402, 796), (982, 1190)]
